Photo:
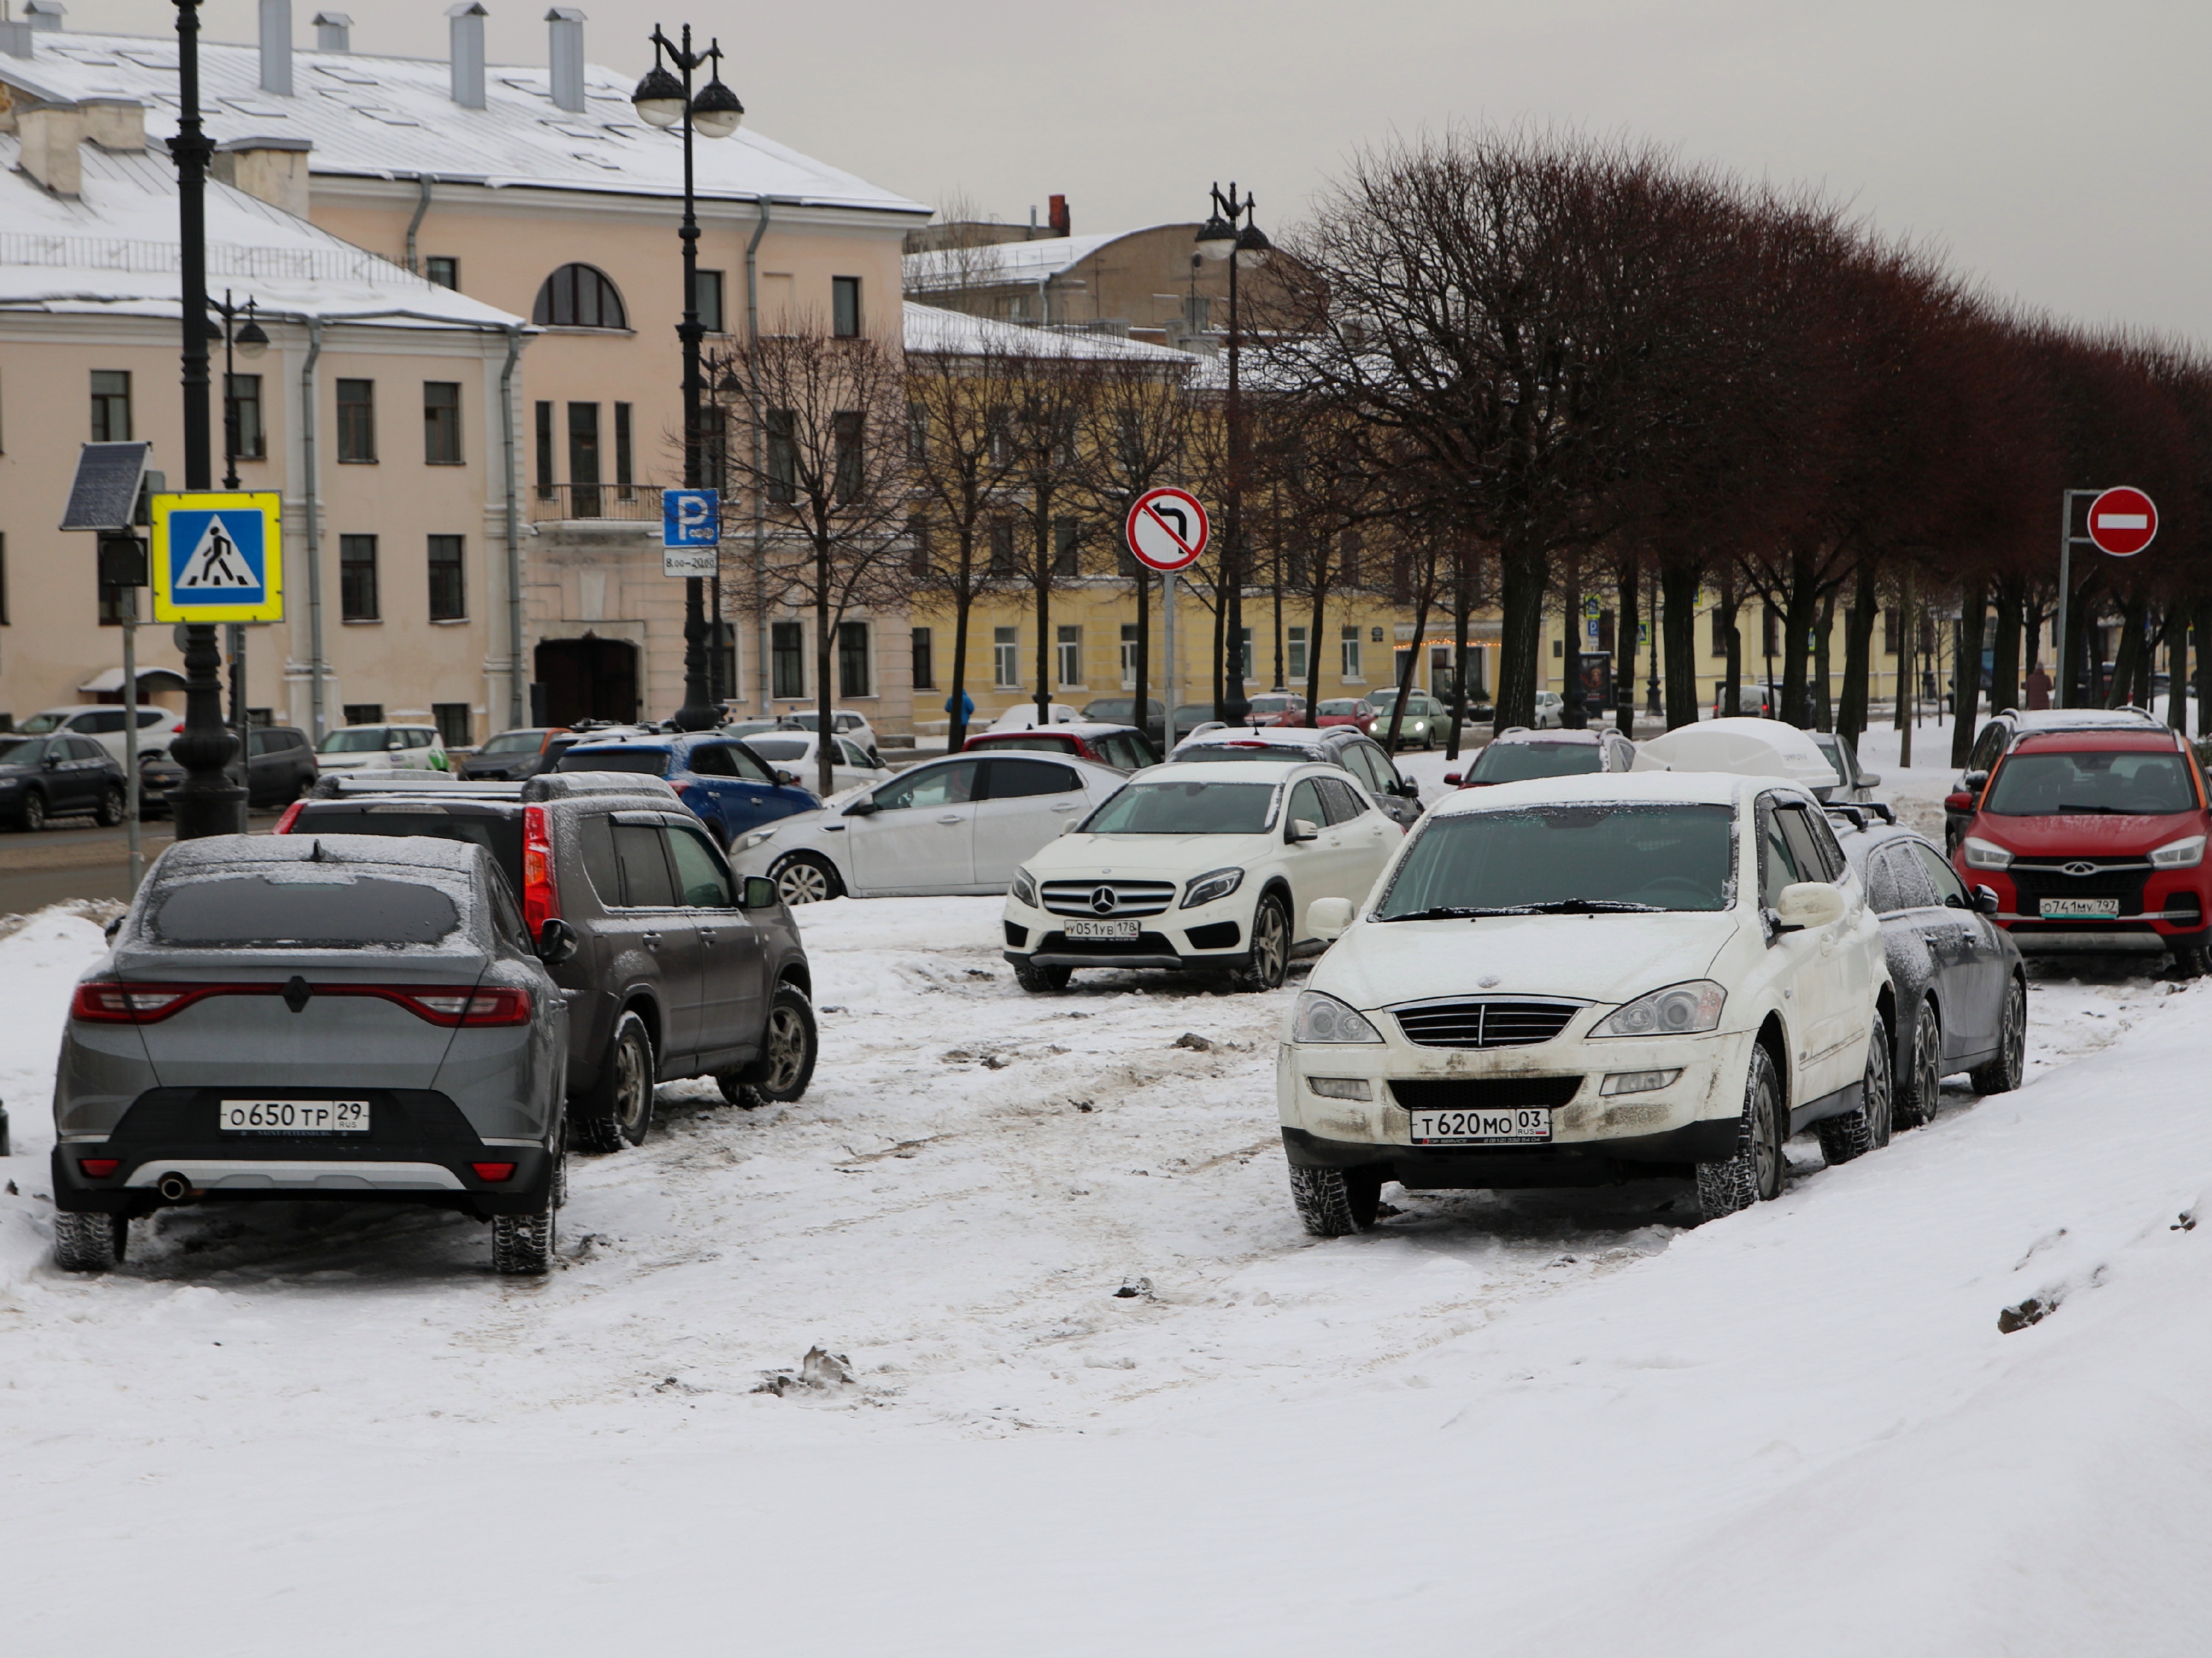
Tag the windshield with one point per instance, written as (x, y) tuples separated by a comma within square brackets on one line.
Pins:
[(42, 722), (23, 754), (1341, 705), (647, 762), (1208, 754), (1569, 857), (781, 747), (2127, 782), (1187, 808), (500, 836), (1509, 762), (1192, 713), (1112, 710), (514, 742), (356, 739), (327, 909)]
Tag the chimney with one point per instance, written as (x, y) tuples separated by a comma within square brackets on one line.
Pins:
[(333, 32), (51, 134), (15, 40), (44, 14), (117, 124), (467, 20), (277, 47), (270, 169), (566, 26), (1059, 210)]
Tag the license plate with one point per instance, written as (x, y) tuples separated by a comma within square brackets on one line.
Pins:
[(1101, 929), (293, 1116), (2063, 909), (1526, 1125)]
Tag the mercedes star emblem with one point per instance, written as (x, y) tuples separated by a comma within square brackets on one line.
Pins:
[(1103, 901)]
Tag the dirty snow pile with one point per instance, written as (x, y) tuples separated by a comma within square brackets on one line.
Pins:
[(1005, 1340)]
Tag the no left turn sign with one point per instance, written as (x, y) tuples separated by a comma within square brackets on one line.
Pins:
[(1167, 529), (2122, 521)]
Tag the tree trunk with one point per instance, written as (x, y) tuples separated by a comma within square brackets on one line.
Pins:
[(1462, 603), (1521, 641), (1041, 572), (1966, 672), (2005, 649), (1908, 687), (2203, 623), (1570, 648), (1624, 672), (2176, 669), (1800, 608), (1677, 631), (2126, 658), (1313, 654), (1405, 668), (964, 608), (1824, 689), (1141, 668), (1732, 674), (1221, 676), (825, 750), (1858, 655)]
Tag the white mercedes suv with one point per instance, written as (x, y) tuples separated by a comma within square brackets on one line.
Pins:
[(1204, 865), (1576, 981)]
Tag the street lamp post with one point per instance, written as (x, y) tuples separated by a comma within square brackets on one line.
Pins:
[(205, 803), (249, 341), (664, 101), (1247, 249)]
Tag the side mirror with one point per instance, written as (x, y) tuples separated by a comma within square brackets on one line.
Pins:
[(1303, 830), (758, 892), (1329, 917), (393, 744), (1974, 781), (1869, 779), (556, 942), (1071, 826), (1808, 904), (863, 807), (1986, 900), (51, 762), (788, 778), (1409, 789), (875, 759), (1453, 778), (1959, 800), (115, 926)]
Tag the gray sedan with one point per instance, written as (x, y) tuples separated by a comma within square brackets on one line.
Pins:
[(335, 1015)]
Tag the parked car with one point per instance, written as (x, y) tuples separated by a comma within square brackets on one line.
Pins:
[(1122, 747), (1208, 867), (1575, 981), (798, 753), (105, 724), (748, 727), (963, 823), (1744, 747), (1337, 745), (1997, 736), (1855, 786), (1551, 712), (1426, 720), (848, 723), (2093, 841), (334, 1017), (1023, 715), (732, 789), (1961, 990), (1122, 711), (280, 768), (47, 777), (1275, 709), (1346, 711), (1754, 700), (383, 748), (679, 969), (510, 757), (1517, 754), (1190, 716)]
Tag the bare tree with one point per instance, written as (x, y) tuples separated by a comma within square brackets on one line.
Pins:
[(1040, 419)]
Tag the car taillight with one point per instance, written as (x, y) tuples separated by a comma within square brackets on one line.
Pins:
[(99, 1168), (492, 1173), (109, 1002), (541, 899), (498, 1005), (291, 816)]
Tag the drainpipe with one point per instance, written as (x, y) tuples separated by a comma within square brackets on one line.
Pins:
[(516, 714), (760, 523), (316, 666), (421, 206)]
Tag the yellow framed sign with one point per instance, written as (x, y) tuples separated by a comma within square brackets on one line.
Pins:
[(218, 556)]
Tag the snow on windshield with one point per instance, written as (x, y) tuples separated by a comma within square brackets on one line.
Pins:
[(1672, 857), (2129, 782), (1187, 808), (359, 741), (1509, 762), (781, 747), (310, 905)]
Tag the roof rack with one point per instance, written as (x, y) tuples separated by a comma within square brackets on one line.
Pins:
[(570, 785), (333, 785)]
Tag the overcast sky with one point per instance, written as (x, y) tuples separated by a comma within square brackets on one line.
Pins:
[(2057, 152)]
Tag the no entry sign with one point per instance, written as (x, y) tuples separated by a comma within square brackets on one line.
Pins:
[(1167, 529), (2122, 521)]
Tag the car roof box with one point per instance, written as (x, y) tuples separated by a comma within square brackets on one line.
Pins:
[(1742, 748), (569, 785)]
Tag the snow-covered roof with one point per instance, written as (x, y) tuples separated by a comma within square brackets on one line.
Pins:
[(1606, 788), (395, 116), (932, 331), (997, 262), (113, 251)]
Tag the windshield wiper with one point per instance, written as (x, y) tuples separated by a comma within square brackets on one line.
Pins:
[(2066, 809), (1555, 907)]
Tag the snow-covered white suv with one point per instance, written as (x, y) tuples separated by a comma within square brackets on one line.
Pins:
[(1576, 981), (1207, 866)]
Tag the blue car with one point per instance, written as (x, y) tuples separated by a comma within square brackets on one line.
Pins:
[(730, 788)]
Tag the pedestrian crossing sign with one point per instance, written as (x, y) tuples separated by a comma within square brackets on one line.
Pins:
[(218, 557)]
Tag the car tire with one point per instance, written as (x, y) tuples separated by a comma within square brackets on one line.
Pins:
[(2009, 1069), (32, 815), (1866, 1129), (522, 1246), (1334, 1203), (1271, 948), (1919, 1088), (1041, 981), (789, 1046), (1752, 1174), (109, 813), (90, 1244), (1428, 737), (805, 877), (617, 1109), (2191, 961)]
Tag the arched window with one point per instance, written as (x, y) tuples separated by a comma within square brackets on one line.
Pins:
[(579, 296)]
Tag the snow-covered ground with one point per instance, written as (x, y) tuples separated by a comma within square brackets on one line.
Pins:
[(1106, 1396)]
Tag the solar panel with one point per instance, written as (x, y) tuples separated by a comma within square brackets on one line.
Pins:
[(105, 491)]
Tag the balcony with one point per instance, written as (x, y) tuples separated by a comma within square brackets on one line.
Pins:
[(553, 502)]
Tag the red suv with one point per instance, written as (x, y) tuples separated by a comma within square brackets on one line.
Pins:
[(2093, 841)]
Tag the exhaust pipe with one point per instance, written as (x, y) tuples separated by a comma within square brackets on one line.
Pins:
[(173, 1187)]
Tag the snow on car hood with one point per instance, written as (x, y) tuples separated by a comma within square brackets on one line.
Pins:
[(1592, 958), (1163, 857)]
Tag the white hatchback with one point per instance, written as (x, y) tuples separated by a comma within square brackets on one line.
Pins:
[(1210, 867), (1577, 980)]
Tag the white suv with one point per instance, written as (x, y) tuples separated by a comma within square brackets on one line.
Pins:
[(1201, 865), (384, 748), (1576, 981), (103, 722)]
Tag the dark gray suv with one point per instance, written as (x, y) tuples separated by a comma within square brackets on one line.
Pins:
[(680, 967)]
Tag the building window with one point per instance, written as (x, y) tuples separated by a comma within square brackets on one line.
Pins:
[(788, 643), (443, 271), (1066, 547), (707, 300), (1006, 657), (1347, 559), (579, 296), (782, 456), (358, 421), (1245, 663), (917, 546), (845, 307), (924, 661), (242, 409), (452, 719), (1769, 631), (441, 423), (852, 660), (545, 478), (364, 713), (3, 578), (449, 588), (357, 581), (1721, 621), (1069, 650), (1002, 546), (1348, 670), (1294, 655), (849, 429), (722, 658), (625, 472), (917, 432), (584, 460), (1128, 656), (1893, 629), (111, 405)]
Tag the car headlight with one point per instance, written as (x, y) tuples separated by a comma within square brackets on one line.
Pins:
[(1677, 1011), (1320, 1017), (1214, 884), (1025, 889), (758, 837), (2186, 854), (1988, 854), (1340, 1088)]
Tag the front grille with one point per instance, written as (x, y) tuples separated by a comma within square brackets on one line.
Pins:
[(1145, 943), (1484, 1093), (2108, 878), (1129, 897), (1483, 1024)]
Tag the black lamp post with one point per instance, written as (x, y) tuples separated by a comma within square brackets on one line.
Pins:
[(1248, 249), (664, 101), (249, 341), (205, 803)]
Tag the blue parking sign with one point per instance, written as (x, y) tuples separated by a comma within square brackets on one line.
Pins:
[(690, 517)]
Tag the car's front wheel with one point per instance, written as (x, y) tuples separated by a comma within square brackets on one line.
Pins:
[(618, 1108), (1270, 947), (109, 813), (805, 877), (32, 815), (1334, 1203), (1866, 1129), (1920, 1087), (2009, 1069), (89, 1243), (1753, 1173), (788, 1048), (1041, 981)]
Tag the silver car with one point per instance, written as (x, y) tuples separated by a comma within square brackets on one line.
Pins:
[(337, 1016)]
